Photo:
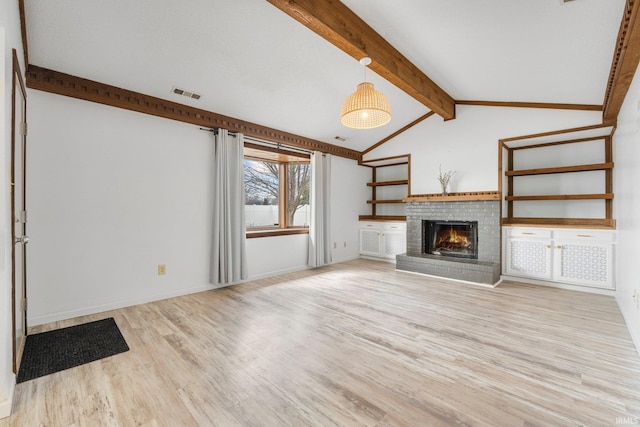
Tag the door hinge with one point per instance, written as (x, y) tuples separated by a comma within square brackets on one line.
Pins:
[(23, 304), (23, 217), (23, 128)]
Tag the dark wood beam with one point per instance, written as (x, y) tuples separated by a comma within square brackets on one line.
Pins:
[(551, 105), (398, 132), (626, 58), (76, 87), (337, 24), (560, 132), (561, 142)]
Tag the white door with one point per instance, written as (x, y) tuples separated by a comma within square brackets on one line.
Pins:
[(19, 211)]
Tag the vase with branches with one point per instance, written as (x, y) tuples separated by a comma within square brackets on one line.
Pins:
[(444, 179)]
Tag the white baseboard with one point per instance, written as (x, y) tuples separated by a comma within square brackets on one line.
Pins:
[(350, 258), (6, 405), (70, 314), (293, 269), (84, 311), (375, 258), (587, 289), (64, 315), (276, 273), (628, 320)]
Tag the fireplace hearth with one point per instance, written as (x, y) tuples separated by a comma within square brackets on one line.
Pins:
[(458, 239)]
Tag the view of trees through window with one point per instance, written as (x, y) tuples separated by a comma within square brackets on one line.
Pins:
[(266, 184)]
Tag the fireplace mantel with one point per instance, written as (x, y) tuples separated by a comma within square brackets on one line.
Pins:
[(454, 197)]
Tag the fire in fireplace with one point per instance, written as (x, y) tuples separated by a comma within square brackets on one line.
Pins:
[(450, 238)]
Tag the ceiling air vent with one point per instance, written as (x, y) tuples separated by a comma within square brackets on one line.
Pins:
[(186, 93), (340, 138)]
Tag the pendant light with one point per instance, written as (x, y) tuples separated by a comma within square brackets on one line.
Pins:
[(366, 108)]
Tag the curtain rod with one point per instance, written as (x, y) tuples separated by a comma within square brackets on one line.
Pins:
[(264, 142)]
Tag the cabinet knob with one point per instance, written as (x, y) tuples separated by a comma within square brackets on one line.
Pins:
[(548, 246), (559, 246)]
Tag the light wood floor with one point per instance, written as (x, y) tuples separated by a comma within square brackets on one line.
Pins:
[(355, 343)]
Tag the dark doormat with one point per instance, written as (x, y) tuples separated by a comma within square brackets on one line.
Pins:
[(53, 351)]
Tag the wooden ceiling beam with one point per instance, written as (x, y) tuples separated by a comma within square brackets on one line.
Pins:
[(77, 87), (551, 105), (340, 26), (398, 132), (626, 58)]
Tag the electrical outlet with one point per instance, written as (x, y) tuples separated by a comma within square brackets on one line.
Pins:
[(162, 269), (335, 245), (345, 244)]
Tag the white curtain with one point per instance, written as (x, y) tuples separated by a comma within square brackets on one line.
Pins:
[(228, 254), (319, 227)]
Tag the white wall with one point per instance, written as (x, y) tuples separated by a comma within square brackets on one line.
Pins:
[(626, 183), (349, 193), (9, 39), (113, 193), (469, 144)]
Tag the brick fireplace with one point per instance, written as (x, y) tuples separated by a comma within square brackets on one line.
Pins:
[(419, 258)]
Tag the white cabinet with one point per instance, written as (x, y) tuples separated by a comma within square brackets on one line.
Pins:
[(529, 257), (370, 241), (585, 257), (383, 239), (573, 256)]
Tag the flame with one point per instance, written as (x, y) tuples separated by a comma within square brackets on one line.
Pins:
[(451, 238)]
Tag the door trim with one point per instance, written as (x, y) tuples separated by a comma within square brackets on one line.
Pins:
[(17, 84)]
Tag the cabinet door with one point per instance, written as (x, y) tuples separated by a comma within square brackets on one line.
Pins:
[(587, 264), (529, 258), (395, 242), (370, 242)]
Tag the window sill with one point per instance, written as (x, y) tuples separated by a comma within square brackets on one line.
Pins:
[(278, 232)]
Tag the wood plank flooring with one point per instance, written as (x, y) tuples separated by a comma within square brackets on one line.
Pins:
[(355, 343)]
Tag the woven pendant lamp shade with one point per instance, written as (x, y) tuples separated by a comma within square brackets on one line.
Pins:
[(366, 108)]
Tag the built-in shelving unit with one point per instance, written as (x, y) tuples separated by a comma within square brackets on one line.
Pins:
[(390, 185), (526, 159)]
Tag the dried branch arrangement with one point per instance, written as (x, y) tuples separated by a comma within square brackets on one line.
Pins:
[(444, 179)]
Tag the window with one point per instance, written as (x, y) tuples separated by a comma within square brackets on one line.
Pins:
[(276, 191)]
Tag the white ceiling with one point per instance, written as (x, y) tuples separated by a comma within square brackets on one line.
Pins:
[(251, 61)]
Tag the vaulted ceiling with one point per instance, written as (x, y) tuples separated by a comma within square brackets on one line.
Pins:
[(250, 60)]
